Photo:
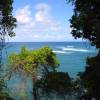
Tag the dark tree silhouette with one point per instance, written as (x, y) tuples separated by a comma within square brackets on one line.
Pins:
[(85, 23), (7, 24), (91, 76), (54, 84)]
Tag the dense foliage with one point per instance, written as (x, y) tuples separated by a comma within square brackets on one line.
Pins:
[(7, 21), (41, 64), (55, 84), (91, 77), (32, 61), (7, 24), (85, 22)]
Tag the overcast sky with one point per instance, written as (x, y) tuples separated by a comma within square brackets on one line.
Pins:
[(42, 20)]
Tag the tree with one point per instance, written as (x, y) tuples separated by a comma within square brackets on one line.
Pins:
[(30, 61), (85, 23), (54, 84), (34, 63), (91, 76), (7, 21), (7, 24)]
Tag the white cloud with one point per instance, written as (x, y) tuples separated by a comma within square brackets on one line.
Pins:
[(43, 21), (23, 16), (36, 36), (43, 12), (40, 25)]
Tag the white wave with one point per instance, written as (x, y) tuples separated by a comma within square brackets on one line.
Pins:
[(74, 49), (63, 52)]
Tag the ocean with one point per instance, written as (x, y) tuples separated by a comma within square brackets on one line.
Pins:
[(71, 55)]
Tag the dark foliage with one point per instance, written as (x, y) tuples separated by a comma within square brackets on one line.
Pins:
[(85, 22), (91, 76), (55, 83), (7, 21), (7, 24)]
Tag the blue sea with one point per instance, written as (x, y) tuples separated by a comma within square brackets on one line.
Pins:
[(71, 55)]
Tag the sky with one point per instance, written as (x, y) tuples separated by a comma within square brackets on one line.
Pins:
[(42, 20)]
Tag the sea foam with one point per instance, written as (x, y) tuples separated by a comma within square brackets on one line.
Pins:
[(62, 52), (74, 49)]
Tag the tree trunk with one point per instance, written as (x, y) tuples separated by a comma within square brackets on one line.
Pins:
[(35, 94)]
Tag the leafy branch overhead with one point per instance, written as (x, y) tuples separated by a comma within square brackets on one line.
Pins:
[(7, 21), (85, 22)]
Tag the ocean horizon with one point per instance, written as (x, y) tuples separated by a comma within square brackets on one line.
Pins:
[(71, 55)]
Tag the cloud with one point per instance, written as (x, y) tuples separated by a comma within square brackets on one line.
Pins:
[(44, 17), (42, 20), (23, 16), (43, 13), (39, 25)]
